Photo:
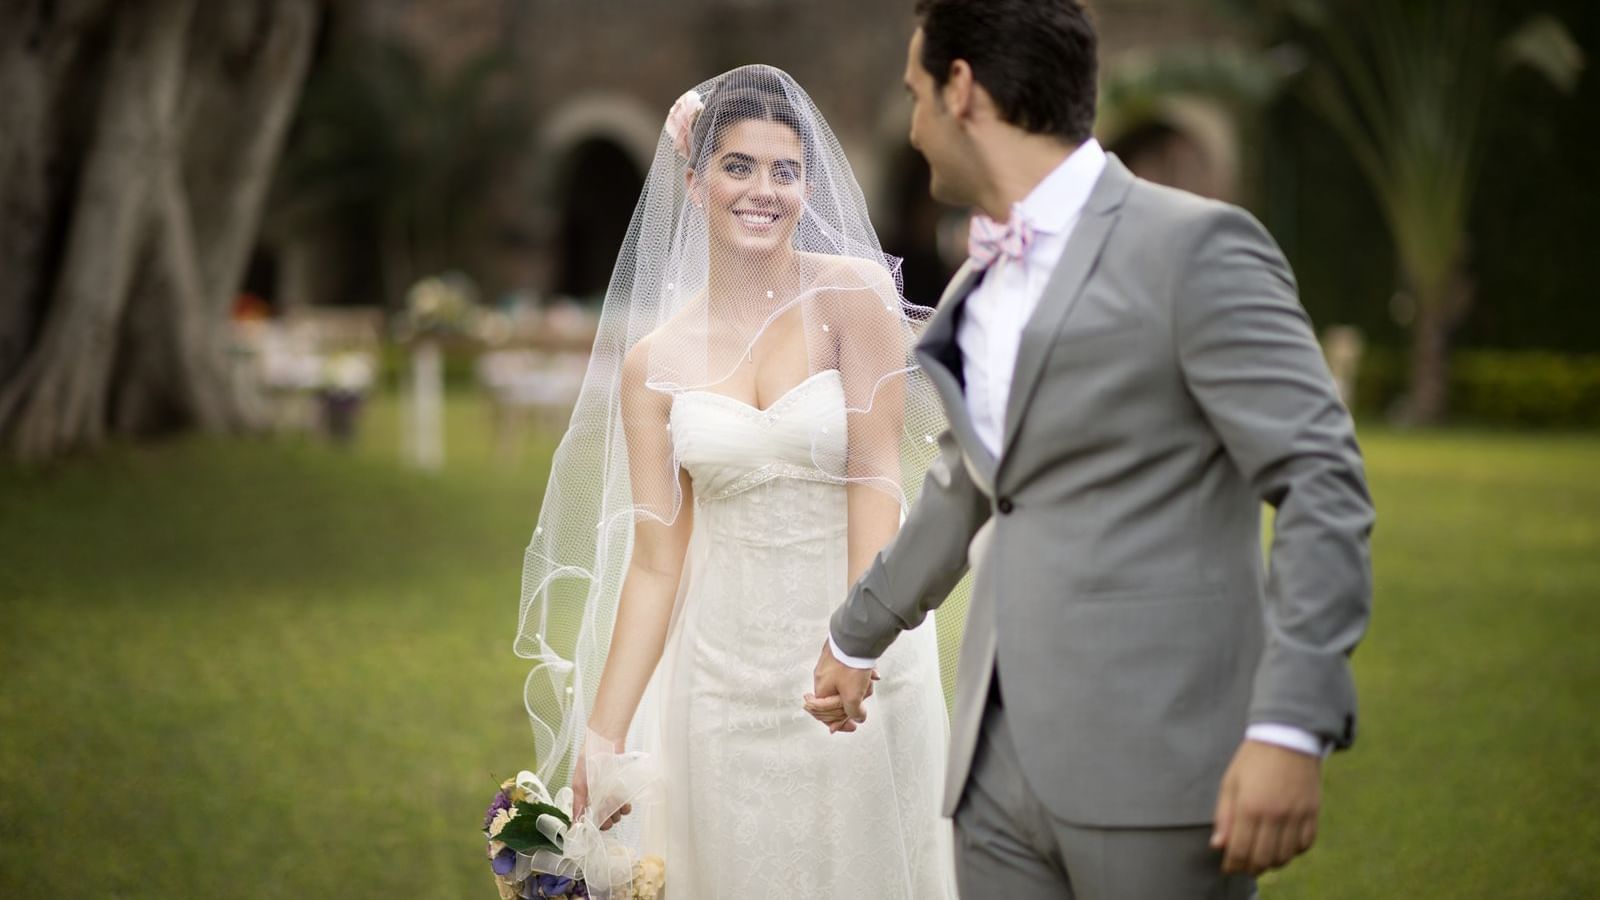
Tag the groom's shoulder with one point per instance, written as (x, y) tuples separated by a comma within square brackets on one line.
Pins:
[(1195, 232), (1163, 205), (1172, 217)]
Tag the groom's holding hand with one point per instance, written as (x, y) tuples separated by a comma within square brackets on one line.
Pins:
[(1141, 710)]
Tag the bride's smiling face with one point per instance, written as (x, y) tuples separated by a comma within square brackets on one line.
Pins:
[(752, 187)]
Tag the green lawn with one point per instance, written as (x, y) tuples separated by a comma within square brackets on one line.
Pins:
[(274, 669)]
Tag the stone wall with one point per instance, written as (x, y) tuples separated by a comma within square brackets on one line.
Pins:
[(607, 70)]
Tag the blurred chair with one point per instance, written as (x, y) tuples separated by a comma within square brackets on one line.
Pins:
[(529, 387), (300, 360)]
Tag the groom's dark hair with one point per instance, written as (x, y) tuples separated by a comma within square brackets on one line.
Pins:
[(1036, 58)]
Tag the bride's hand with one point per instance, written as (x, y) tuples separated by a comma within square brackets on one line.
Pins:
[(580, 787), (580, 790)]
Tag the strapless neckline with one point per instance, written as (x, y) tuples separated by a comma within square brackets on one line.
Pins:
[(770, 408)]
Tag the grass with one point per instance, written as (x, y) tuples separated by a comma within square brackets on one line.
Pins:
[(259, 669), (1474, 774), (275, 669)]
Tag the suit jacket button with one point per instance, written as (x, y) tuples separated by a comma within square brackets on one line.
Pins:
[(1005, 506)]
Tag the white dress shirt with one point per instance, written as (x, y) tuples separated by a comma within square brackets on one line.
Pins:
[(990, 334)]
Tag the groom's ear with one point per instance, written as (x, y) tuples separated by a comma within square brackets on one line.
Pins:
[(959, 90)]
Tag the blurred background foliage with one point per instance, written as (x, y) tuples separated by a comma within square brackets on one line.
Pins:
[(402, 161), (1376, 132), (1529, 227)]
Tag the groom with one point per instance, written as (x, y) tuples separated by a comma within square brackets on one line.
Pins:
[(1142, 707)]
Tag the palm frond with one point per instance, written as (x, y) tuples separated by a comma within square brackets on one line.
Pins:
[(1545, 45), (1241, 80)]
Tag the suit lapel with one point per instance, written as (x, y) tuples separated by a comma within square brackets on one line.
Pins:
[(939, 338), (940, 357), (1062, 290)]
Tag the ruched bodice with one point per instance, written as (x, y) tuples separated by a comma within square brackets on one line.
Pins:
[(784, 465), (729, 446)]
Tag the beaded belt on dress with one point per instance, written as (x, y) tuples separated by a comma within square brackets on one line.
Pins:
[(770, 472)]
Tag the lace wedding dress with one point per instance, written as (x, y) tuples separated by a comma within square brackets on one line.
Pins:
[(760, 800)]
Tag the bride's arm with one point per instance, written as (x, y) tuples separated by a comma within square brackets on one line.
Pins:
[(921, 559), (644, 610), (874, 363), (872, 352), (650, 588), (873, 493)]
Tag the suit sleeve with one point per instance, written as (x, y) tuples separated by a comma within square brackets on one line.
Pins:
[(920, 566), (1251, 361)]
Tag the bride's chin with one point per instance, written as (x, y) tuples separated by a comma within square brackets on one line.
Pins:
[(763, 246)]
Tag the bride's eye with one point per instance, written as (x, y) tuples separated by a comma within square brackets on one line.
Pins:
[(785, 172), (737, 169)]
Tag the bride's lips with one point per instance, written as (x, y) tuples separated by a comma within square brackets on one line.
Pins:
[(757, 221)]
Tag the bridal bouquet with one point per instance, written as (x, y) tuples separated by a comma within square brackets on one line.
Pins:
[(537, 852)]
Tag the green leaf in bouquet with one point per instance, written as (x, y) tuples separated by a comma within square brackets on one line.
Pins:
[(522, 834), (535, 810)]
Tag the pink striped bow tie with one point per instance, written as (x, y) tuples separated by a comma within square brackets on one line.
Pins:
[(989, 240)]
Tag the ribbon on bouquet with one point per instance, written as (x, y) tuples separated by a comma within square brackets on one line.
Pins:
[(587, 852)]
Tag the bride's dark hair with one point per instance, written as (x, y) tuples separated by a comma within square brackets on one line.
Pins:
[(748, 93)]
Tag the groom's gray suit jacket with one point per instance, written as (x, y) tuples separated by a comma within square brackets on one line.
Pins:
[(1166, 385)]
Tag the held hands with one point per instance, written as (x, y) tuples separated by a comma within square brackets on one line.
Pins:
[(1267, 809), (839, 692)]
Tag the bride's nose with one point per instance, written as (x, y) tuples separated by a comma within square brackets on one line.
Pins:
[(763, 188)]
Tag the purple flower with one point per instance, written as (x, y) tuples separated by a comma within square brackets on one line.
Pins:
[(546, 885), (501, 801), (504, 861)]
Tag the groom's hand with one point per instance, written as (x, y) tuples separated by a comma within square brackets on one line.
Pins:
[(1267, 808), (839, 691)]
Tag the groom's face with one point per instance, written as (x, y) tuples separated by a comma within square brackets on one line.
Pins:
[(934, 131)]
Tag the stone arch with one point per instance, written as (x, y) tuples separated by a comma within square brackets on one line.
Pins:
[(618, 118), (597, 190), (597, 151), (1184, 142)]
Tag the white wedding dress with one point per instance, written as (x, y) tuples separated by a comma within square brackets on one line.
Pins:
[(760, 801)]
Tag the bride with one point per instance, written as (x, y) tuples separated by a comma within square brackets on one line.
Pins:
[(735, 461)]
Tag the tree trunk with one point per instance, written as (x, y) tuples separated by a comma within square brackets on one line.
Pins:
[(119, 283), (43, 46), (1428, 390), (163, 380), (249, 62), (1428, 393), (58, 399)]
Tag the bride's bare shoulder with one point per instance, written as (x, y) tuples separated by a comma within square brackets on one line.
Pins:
[(850, 273), (683, 328), (861, 293)]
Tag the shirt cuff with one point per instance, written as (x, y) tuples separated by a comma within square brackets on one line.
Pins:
[(1288, 737), (854, 662)]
